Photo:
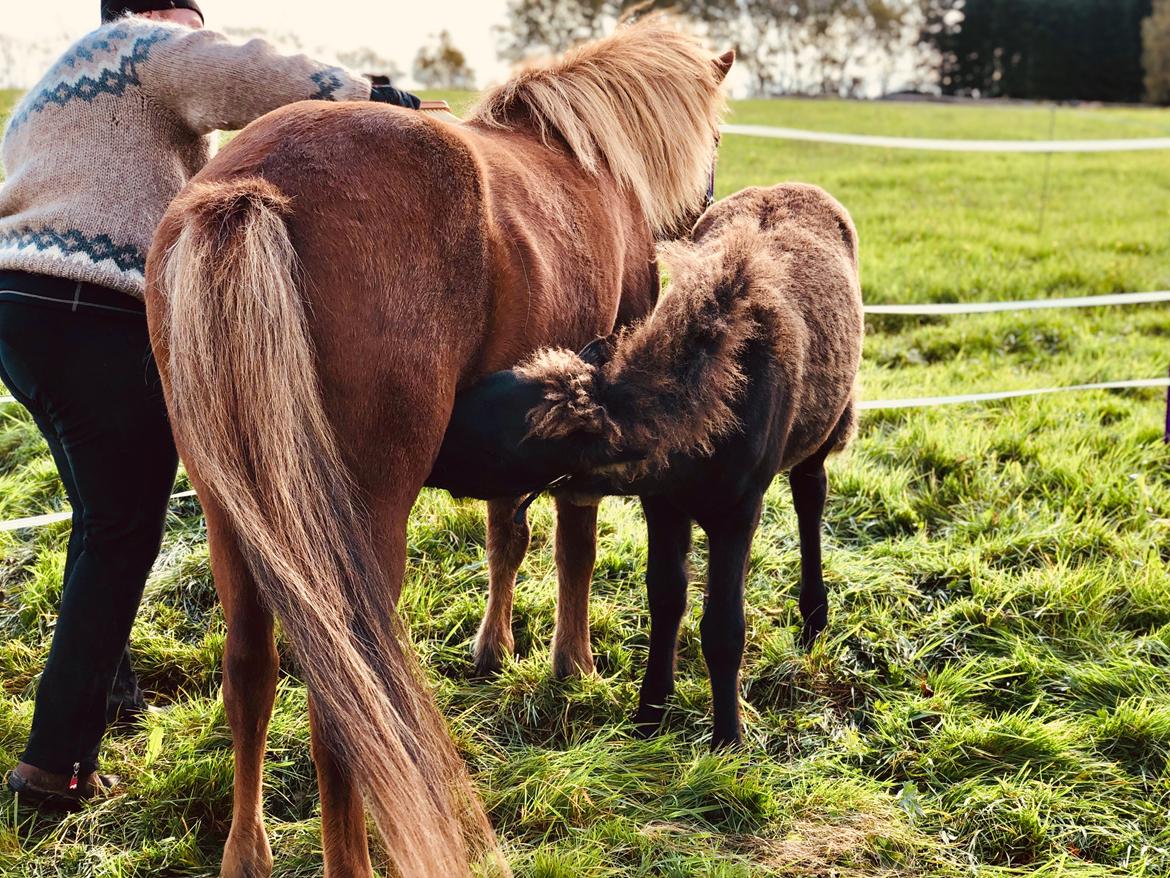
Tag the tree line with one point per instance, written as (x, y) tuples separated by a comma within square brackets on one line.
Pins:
[(1102, 50), (786, 46), (1050, 49)]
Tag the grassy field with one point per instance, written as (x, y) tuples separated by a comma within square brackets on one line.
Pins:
[(992, 697)]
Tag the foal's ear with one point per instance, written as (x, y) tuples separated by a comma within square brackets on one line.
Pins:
[(723, 64), (597, 352)]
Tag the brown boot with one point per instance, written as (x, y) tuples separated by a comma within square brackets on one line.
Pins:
[(46, 791)]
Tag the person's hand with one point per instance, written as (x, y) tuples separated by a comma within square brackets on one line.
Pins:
[(388, 94)]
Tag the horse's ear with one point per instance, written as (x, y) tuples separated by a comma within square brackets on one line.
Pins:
[(597, 352), (723, 64)]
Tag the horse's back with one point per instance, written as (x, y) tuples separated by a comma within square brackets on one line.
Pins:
[(430, 253), (484, 241), (388, 223), (825, 291), (812, 306)]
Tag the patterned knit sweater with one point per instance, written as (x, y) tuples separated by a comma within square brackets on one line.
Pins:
[(96, 151)]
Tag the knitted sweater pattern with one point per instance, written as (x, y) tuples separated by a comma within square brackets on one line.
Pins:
[(96, 150)]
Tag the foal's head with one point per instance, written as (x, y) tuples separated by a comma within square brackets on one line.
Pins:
[(643, 105), (490, 449)]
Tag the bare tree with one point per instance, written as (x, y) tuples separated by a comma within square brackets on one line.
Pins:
[(1156, 53), (442, 65), (550, 26), (286, 41), (369, 61), (538, 27), (23, 62), (9, 52)]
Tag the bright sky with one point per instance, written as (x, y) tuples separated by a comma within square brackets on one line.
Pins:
[(394, 29)]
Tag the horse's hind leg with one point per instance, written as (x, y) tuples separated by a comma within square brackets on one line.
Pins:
[(669, 540), (507, 541), (723, 627), (809, 491), (576, 554), (343, 821), (249, 688)]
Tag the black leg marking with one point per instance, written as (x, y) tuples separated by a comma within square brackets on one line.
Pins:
[(723, 626), (809, 490), (669, 532)]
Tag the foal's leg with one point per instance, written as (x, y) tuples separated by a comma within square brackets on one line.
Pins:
[(576, 554), (723, 627), (809, 490), (249, 689), (669, 540), (507, 542)]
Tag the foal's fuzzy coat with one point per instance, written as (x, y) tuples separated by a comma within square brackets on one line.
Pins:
[(746, 367), (772, 268)]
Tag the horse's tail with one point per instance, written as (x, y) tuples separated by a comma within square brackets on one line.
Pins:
[(248, 413), (669, 384)]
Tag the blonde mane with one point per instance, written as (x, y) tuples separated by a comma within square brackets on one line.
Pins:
[(644, 103)]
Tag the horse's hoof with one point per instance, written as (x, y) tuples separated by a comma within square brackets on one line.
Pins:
[(566, 667), (246, 855), (487, 662), (485, 667)]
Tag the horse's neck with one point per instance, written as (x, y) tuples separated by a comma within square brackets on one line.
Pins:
[(571, 250)]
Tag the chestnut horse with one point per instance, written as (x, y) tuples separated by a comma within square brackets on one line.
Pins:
[(317, 296)]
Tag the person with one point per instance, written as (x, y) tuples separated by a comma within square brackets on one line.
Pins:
[(94, 153)]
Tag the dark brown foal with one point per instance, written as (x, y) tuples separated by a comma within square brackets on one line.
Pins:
[(746, 368)]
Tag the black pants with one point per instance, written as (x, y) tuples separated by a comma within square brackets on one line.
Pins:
[(85, 371)]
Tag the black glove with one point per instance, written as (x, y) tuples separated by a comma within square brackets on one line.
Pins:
[(388, 94)]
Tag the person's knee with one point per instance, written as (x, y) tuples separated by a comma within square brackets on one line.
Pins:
[(129, 541)]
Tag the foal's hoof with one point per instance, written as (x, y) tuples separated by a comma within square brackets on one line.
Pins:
[(726, 740), (808, 636), (648, 721)]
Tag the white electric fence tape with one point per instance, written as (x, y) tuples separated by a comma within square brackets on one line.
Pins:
[(876, 404), (53, 518), (1028, 305), (864, 405), (1042, 147), (933, 401)]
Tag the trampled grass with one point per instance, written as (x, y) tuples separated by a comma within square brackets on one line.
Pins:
[(991, 697)]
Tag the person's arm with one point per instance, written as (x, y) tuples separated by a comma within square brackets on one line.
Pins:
[(214, 84)]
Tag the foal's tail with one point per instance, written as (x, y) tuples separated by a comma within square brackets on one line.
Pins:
[(248, 413), (669, 384)]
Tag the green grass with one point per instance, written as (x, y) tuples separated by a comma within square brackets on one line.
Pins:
[(991, 697)]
